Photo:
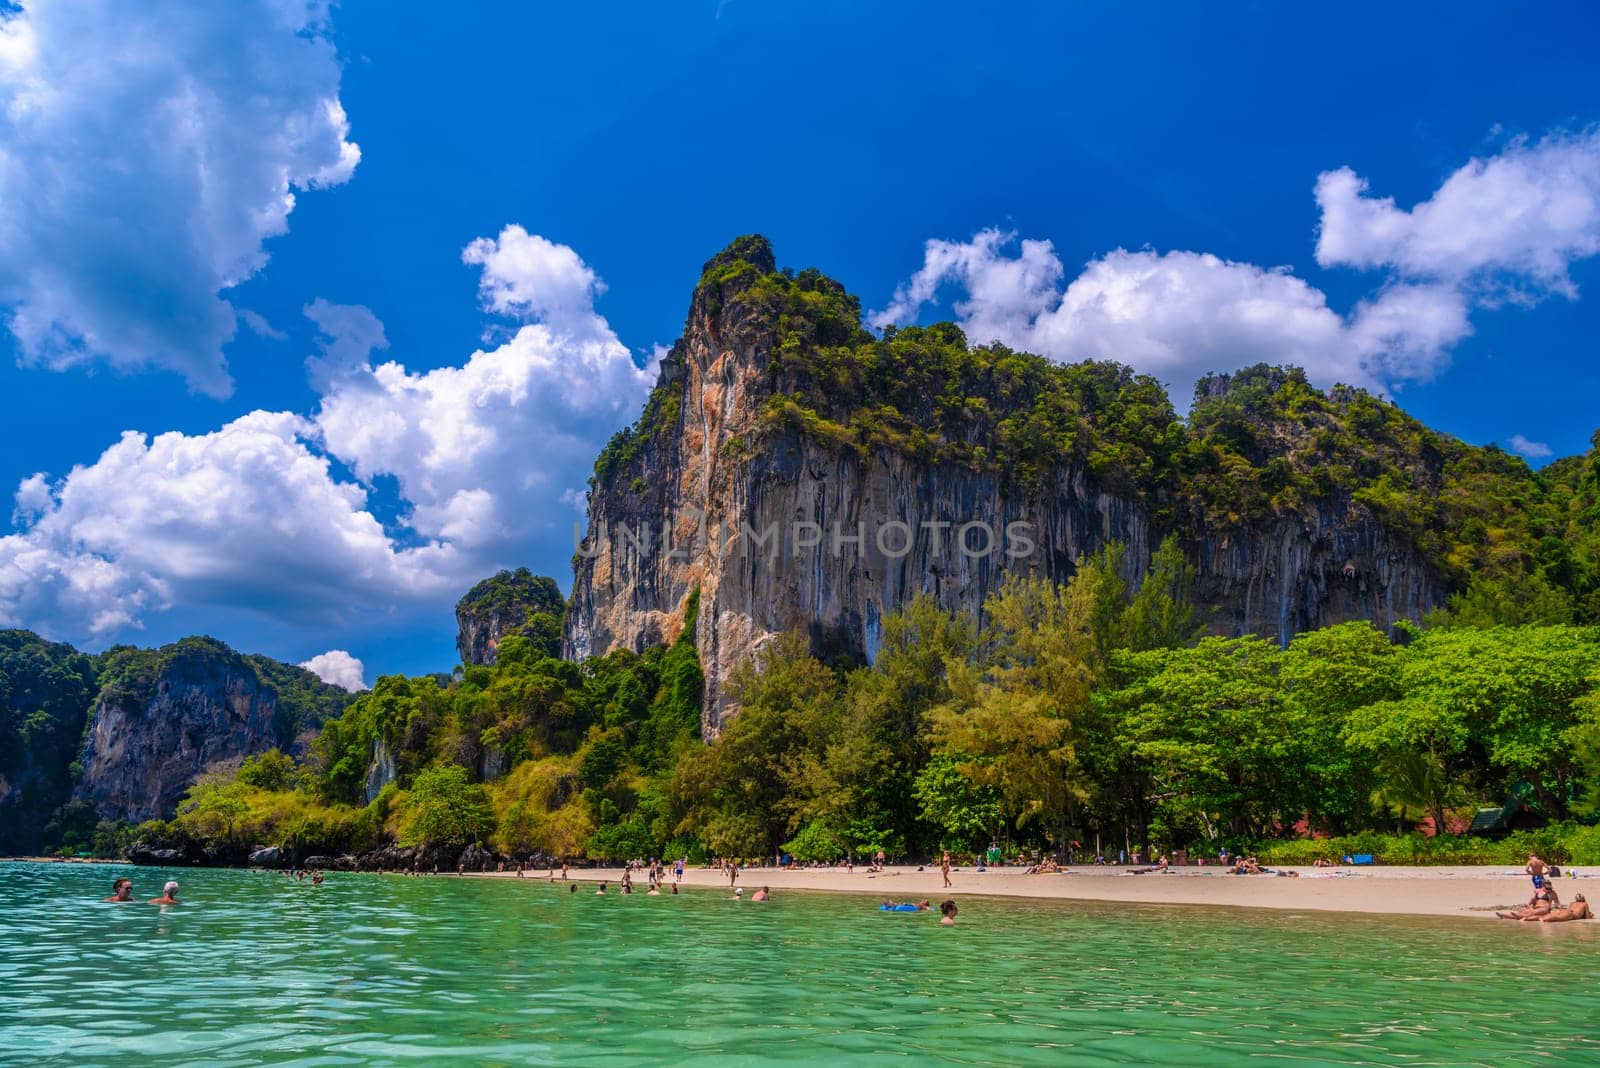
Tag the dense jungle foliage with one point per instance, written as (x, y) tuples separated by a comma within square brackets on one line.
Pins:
[(1083, 716)]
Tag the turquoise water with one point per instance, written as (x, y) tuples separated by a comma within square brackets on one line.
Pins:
[(379, 970)]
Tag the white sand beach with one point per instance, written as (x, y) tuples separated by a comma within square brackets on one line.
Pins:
[(1422, 891)]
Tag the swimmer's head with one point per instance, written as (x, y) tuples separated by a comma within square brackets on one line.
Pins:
[(738, 892), (170, 889)]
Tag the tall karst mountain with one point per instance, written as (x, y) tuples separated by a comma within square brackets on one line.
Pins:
[(802, 473)]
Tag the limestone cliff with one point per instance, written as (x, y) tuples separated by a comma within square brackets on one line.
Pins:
[(162, 717), (511, 602), (804, 474)]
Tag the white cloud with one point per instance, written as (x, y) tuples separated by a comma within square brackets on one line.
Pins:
[(146, 153), (1179, 315), (338, 668), (1506, 226), (247, 516), (483, 450), (1516, 220), (1534, 450), (256, 517)]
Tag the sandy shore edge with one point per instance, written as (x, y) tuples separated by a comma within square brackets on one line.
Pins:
[(1470, 892)]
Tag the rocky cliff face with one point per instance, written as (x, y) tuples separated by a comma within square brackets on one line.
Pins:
[(164, 716), (782, 523), (511, 602)]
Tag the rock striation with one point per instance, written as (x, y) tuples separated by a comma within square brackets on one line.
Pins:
[(748, 479), (162, 717)]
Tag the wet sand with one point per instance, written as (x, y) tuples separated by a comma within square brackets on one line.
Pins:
[(1433, 891)]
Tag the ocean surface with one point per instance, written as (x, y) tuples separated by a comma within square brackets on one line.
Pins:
[(388, 970)]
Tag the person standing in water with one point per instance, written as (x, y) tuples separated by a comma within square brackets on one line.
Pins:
[(948, 908), (121, 891), (169, 895)]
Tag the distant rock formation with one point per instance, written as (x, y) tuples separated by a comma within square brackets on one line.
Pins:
[(777, 412), (164, 716), (511, 602)]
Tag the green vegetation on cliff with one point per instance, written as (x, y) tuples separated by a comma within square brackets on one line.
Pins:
[(45, 691), (1258, 445), (49, 693), (510, 602), (1078, 714)]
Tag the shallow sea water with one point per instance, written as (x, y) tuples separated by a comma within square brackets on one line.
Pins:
[(388, 970)]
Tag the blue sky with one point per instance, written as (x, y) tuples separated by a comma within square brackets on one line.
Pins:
[(627, 143)]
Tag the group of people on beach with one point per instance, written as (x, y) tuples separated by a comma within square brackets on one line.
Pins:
[(1545, 905), (122, 893)]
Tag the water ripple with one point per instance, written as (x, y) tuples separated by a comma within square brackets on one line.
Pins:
[(370, 970)]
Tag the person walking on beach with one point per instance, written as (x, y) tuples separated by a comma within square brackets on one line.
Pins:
[(733, 873), (1536, 870), (169, 895), (944, 868), (563, 871), (121, 891)]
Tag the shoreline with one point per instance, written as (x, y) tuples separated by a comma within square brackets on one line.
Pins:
[(1461, 891), (1470, 892)]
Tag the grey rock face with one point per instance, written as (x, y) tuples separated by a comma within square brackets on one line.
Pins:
[(144, 750), (766, 532), (500, 605)]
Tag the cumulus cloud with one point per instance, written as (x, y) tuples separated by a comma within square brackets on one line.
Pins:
[(1178, 315), (338, 668), (146, 153), (274, 513), (1517, 219), (482, 450), (245, 515), (1509, 225), (1534, 450)]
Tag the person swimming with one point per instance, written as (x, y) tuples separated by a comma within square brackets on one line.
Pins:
[(169, 895), (948, 909), (121, 891), (602, 889), (761, 895), (738, 893)]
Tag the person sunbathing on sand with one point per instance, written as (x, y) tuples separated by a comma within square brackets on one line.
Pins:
[(1578, 910), (1544, 900)]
